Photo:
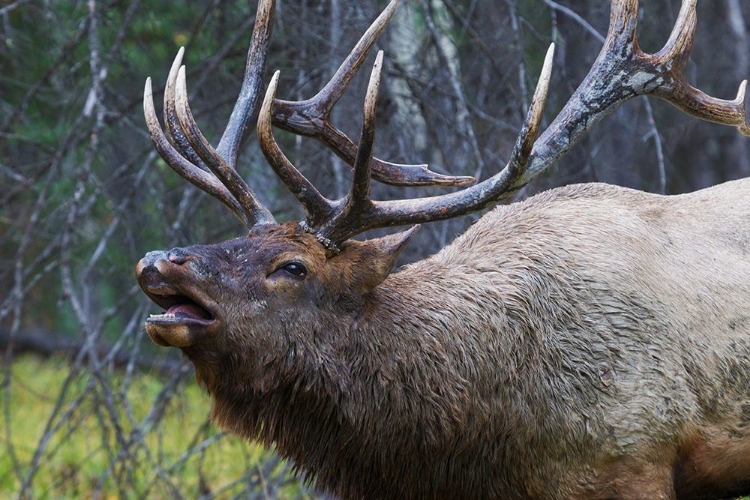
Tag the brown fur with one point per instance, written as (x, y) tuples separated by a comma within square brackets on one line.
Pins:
[(592, 342)]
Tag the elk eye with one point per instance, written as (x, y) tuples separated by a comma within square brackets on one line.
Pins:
[(295, 269)]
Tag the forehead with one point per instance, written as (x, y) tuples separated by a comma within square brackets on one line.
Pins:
[(276, 238)]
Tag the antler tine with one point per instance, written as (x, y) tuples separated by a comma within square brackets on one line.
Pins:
[(317, 207), (335, 88), (519, 158), (675, 88), (199, 178), (246, 108), (681, 38), (226, 174), (363, 164), (311, 118), (308, 117), (171, 125), (394, 174), (357, 205)]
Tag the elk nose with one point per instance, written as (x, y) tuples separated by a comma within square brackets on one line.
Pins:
[(177, 256), (149, 261)]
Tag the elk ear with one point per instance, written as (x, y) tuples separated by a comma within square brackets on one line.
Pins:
[(367, 263)]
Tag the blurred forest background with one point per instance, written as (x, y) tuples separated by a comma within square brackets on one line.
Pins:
[(88, 406)]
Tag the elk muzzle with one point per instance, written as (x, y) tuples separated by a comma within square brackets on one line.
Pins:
[(169, 279)]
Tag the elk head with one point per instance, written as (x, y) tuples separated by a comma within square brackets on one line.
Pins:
[(277, 276)]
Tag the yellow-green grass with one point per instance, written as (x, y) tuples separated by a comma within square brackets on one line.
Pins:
[(84, 447)]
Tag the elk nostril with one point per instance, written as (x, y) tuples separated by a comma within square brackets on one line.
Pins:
[(176, 256)]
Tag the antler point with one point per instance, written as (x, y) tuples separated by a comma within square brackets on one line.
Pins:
[(741, 92)]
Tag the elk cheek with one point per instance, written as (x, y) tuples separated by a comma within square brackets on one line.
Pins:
[(257, 308), (284, 292)]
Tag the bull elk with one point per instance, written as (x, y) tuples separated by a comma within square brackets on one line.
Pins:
[(591, 342)]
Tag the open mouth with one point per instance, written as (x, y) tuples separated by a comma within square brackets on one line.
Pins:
[(185, 320), (190, 313), (180, 309)]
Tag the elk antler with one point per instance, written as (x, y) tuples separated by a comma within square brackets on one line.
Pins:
[(324, 216), (186, 150), (621, 71)]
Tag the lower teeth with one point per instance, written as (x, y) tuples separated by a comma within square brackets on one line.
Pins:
[(162, 316)]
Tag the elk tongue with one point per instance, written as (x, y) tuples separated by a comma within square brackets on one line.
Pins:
[(193, 311)]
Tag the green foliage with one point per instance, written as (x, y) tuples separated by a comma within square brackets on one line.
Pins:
[(80, 456)]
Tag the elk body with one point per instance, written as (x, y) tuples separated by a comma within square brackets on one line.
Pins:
[(592, 342)]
